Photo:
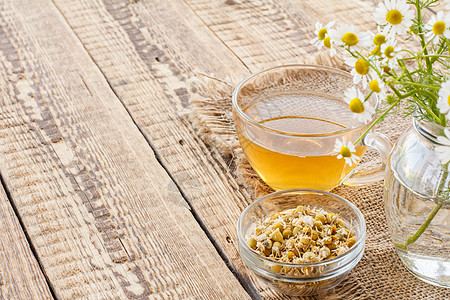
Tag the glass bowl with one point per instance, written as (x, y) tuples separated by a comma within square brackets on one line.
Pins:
[(317, 277)]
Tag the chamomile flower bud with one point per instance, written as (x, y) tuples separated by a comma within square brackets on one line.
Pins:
[(390, 99), (413, 30)]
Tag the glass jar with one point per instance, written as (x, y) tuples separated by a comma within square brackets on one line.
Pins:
[(417, 214), (320, 276)]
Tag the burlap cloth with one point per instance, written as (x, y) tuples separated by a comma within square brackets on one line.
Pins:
[(380, 273)]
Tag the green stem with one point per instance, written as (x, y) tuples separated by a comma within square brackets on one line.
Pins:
[(434, 87), (421, 36), (368, 96), (421, 229), (428, 110), (404, 71), (448, 43), (443, 120), (430, 95), (428, 55), (376, 121), (400, 96), (370, 64), (439, 53)]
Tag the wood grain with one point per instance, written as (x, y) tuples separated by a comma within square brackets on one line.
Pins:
[(20, 274), (148, 52), (268, 33), (101, 212), (148, 70)]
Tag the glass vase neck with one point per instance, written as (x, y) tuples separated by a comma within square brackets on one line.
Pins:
[(428, 130)]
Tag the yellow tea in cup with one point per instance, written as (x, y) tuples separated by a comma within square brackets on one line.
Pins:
[(288, 119)]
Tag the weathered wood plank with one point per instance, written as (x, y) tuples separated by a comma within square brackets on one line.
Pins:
[(162, 43), (148, 70), (158, 46), (268, 33), (101, 212), (20, 274)]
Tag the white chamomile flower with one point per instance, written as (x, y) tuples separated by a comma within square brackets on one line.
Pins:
[(349, 36), (444, 150), (321, 33), (395, 15), (390, 54), (362, 110), (380, 39), (437, 26), (346, 150), (329, 43), (444, 99), (361, 70), (377, 86), (447, 4)]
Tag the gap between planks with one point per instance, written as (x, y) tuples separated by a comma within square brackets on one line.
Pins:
[(27, 237), (249, 288)]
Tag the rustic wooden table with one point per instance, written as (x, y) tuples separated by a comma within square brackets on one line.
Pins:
[(107, 191)]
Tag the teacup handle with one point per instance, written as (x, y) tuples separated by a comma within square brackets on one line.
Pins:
[(383, 145)]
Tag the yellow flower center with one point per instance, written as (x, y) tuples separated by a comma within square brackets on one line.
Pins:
[(322, 33), (362, 67), (374, 86), (448, 100), (379, 39), (389, 52), (350, 39), (386, 69), (439, 27), (394, 17), (356, 106), (327, 42), (345, 151)]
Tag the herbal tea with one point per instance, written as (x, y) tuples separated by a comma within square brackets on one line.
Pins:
[(295, 149)]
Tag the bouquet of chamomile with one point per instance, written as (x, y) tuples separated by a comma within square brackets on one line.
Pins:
[(406, 61)]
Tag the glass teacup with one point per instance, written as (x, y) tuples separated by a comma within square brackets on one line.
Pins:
[(288, 119)]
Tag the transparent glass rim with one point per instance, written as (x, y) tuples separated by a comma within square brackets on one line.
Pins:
[(427, 129), (247, 119), (361, 239)]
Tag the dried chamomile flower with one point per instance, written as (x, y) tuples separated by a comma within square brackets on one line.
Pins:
[(301, 235)]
